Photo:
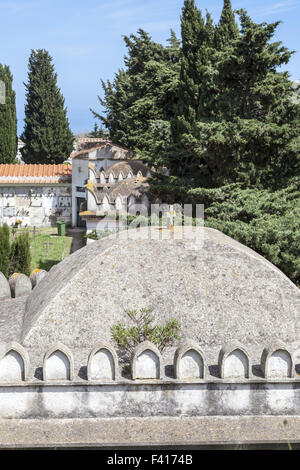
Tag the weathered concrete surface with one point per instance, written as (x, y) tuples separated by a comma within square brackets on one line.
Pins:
[(146, 399), (150, 431), (11, 318), (4, 288), (220, 292), (36, 276)]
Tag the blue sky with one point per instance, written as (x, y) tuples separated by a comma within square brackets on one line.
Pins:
[(85, 40)]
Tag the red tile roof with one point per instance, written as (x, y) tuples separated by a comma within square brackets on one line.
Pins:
[(10, 173)]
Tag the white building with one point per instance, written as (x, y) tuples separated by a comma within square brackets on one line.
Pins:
[(106, 179), (36, 195)]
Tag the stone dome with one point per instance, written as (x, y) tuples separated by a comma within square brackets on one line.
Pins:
[(218, 289)]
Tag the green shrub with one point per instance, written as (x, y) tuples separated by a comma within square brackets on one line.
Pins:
[(143, 329), (20, 257), (4, 249)]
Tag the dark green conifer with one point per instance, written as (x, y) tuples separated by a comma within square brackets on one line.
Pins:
[(4, 249), (20, 257), (227, 28), (8, 119), (47, 135), (139, 102), (193, 92)]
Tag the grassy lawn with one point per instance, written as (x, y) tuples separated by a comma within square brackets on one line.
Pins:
[(47, 248)]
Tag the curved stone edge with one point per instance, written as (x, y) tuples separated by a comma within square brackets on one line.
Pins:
[(71, 267)]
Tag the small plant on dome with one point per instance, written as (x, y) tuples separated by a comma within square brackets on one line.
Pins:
[(143, 329)]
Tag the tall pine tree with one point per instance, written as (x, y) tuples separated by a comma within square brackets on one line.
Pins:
[(252, 134), (8, 119), (139, 102), (227, 28), (47, 135), (237, 120), (198, 44)]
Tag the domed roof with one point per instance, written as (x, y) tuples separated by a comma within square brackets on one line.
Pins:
[(219, 290)]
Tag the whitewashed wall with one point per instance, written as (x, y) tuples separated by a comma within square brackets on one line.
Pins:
[(39, 208)]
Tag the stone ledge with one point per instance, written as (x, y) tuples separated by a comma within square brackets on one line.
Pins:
[(118, 432)]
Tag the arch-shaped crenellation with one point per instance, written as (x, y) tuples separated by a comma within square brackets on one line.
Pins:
[(146, 362), (234, 362), (14, 362), (189, 362), (58, 363), (277, 361), (103, 363)]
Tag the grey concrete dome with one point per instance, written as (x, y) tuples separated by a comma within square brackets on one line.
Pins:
[(220, 292)]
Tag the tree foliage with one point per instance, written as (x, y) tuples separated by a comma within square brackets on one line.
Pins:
[(224, 117), (20, 257), (4, 249), (8, 119), (47, 135), (139, 102), (143, 329)]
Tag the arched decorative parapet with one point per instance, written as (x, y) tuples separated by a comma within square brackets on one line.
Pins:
[(102, 177), (189, 361), (277, 361), (92, 188), (111, 177), (146, 362), (14, 362), (92, 172), (103, 363), (105, 203), (58, 363), (234, 362)]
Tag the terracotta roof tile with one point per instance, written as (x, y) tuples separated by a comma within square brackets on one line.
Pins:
[(35, 173)]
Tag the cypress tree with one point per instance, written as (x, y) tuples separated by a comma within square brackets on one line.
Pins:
[(252, 134), (4, 249), (20, 257), (227, 28), (139, 102), (194, 86), (8, 119), (47, 135), (237, 116)]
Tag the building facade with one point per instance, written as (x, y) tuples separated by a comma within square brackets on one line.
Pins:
[(35, 195), (106, 179)]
